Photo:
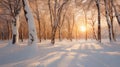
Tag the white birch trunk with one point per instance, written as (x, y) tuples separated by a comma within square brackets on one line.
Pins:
[(15, 28), (31, 24)]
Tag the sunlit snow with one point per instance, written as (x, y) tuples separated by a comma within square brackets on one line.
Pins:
[(78, 53)]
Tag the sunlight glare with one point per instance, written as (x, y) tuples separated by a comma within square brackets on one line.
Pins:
[(82, 28)]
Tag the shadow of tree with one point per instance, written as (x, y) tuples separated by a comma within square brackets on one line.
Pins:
[(84, 55)]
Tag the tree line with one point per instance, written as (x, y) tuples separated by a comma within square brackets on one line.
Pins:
[(51, 19)]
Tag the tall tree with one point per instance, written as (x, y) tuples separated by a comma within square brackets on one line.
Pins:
[(37, 12), (116, 12), (99, 19), (55, 14), (30, 20), (109, 19), (111, 14), (62, 19), (14, 8)]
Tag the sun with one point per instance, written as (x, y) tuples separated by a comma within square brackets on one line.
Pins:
[(82, 28)]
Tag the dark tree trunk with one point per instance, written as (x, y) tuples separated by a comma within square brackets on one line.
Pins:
[(2, 33), (14, 39), (60, 34), (113, 33), (55, 15), (44, 31), (109, 20), (8, 34), (21, 34), (99, 20), (14, 31), (69, 30), (53, 36), (116, 12), (39, 30), (38, 19)]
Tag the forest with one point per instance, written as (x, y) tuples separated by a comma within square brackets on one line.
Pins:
[(57, 19), (54, 22)]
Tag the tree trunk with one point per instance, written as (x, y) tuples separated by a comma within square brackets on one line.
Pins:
[(8, 34), (99, 20), (113, 34), (39, 23), (111, 19), (69, 33), (55, 15), (108, 21), (15, 27), (60, 34), (116, 13), (21, 33), (53, 36), (38, 19), (31, 24), (45, 33)]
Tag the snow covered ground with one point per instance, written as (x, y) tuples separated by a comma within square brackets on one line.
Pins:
[(63, 54)]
